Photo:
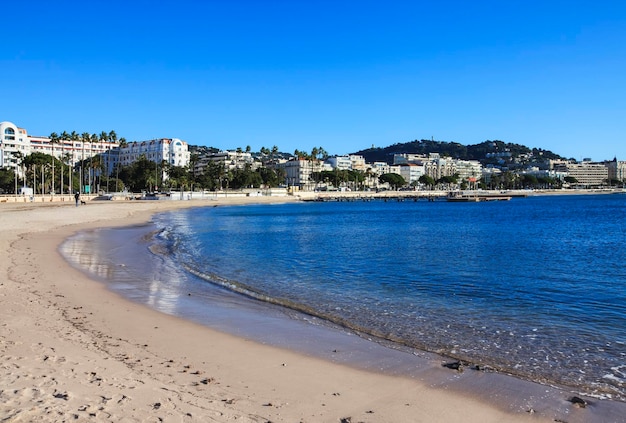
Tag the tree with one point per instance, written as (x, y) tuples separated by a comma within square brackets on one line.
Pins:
[(245, 178), (7, 180), (177, 176), (427, 180), (270, 177), (139, 175), (41, 162), (322, 154), (193, 161), (54, 139), (392, 179), (67, 160)]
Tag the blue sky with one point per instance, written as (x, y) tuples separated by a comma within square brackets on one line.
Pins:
[(343, 75)]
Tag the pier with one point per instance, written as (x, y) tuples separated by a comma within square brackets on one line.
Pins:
[(401, 196)]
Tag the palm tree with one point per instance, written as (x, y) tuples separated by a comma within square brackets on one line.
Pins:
[(85, 138), (112, 137), (193, 160), (66, 159), (95, 163), (19, 161), (122, 144), (54, 139), (63, 138), (94, 140)]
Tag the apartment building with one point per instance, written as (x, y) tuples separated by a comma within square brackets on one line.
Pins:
[(15, 142), (299, 173), (411, 172), (586, 173)]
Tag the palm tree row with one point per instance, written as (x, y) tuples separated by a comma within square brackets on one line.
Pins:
[(87, 139)]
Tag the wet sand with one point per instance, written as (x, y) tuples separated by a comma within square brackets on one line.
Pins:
[(71, 349)]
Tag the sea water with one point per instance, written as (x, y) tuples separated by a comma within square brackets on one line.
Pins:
[(535, 286)]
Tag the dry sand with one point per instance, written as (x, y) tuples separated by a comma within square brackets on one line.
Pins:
[(73, 351)]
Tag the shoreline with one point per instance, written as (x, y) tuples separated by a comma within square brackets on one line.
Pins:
[(71, 346)]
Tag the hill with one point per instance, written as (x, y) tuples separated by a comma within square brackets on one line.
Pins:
[(487, 152)]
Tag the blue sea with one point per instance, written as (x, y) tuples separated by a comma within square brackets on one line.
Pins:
[(534, 287)]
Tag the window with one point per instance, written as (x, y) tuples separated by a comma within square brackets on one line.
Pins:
[(9, 134)]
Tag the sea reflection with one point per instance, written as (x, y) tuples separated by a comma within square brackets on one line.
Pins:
[(121, 260)]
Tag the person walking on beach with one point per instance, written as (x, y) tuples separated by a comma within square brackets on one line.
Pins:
[(77, 198)]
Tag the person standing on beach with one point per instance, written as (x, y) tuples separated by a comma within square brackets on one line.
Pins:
[(77, 197)]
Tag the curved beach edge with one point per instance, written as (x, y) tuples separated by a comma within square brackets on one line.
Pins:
[(71, 348)]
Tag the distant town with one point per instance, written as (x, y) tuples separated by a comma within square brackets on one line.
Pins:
[(95, 163)]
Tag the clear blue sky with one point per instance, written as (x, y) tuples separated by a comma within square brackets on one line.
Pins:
[(344, 75)]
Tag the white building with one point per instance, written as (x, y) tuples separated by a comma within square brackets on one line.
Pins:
[(620, 171), (469, 170), (379, 168), (411, 172), (299, 173), (340, 162), (586, 173), (617, 170), (404, 158), (14, 140), (437, 167), (357, 162), (171, 150), (229, 160)]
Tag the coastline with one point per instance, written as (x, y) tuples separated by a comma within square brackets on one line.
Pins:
[(71, 347)]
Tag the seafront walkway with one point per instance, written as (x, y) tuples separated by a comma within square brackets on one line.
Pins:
[(390, 195)]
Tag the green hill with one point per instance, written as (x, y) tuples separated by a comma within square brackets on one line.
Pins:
[(487, 152)]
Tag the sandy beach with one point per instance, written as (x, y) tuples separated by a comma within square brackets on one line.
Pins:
[(74, 351)]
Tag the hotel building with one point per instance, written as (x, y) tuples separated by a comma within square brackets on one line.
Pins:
[(15, 143)]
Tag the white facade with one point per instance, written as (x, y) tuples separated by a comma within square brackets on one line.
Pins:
[(380, 168), (357, 162), (411, 172), (171, 150), (469, 170), (15, 141), (586, 173), (298, 172), (620, 172), (230, 160), (340, 162), (404, 158), (437, 168)]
